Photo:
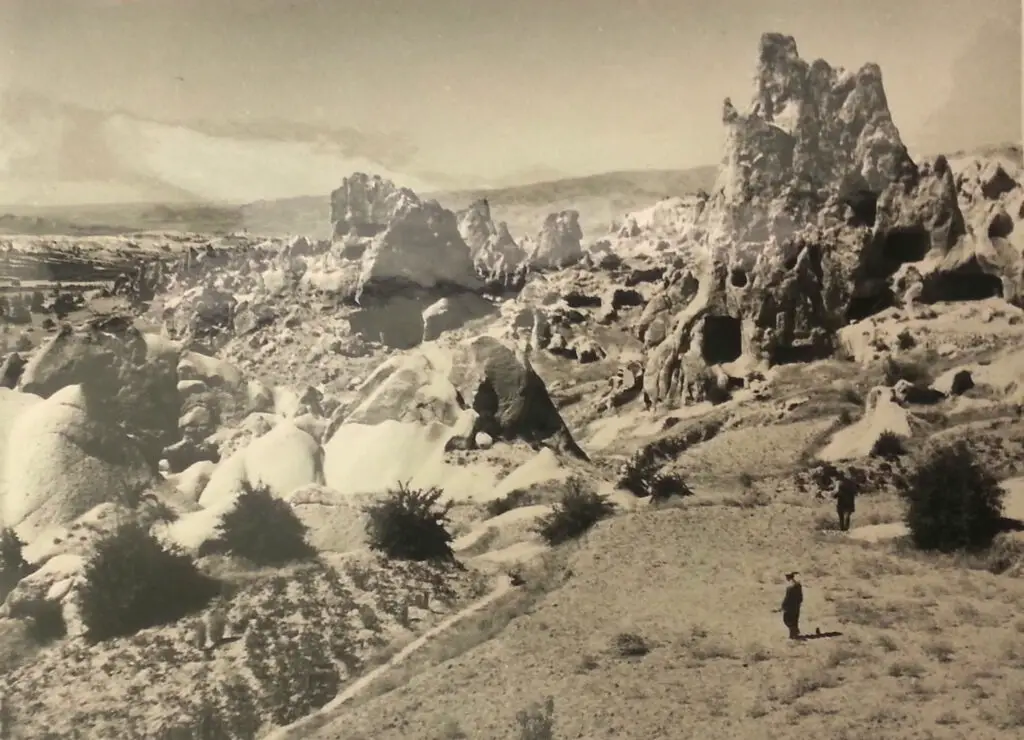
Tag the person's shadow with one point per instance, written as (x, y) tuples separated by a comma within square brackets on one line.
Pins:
[(819, 635)]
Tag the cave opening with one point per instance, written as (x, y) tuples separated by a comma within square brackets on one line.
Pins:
[(863, 205), (900, 246), (738, 277), (963, 285), (722, 339), (868, 304)]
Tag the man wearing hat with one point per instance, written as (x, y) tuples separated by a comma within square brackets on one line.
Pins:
[(791, 603)]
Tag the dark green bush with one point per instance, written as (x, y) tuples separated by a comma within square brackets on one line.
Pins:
[(578, 510), (952, 502), (133, 582), (408, 524), (263, 529), (888, 446)]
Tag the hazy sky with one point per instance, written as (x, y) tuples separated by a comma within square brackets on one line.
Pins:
[(493, 87)]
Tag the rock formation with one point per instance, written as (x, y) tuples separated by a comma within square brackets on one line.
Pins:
[(817, 210), (558, 243)]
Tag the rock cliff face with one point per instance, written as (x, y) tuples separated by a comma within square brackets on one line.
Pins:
[(816, 218)]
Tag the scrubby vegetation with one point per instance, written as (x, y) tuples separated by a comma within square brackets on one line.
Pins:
[(888, 446), (915, 373), (574, 514), (133, 581), (409, 524), (263, 529), (12, 563), (953, 503), (514, 500)]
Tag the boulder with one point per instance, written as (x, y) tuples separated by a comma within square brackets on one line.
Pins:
[(69, 458), (132, 375)]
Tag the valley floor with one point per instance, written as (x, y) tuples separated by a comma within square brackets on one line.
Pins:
[(926, 647)]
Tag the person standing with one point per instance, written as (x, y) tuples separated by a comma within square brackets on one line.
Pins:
[(791, 604), (846, 495)]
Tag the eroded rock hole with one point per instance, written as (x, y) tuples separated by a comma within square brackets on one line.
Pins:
[(738, 278), (903, 245), (972, 285), (722, 339), (863, 306), (863, 207)]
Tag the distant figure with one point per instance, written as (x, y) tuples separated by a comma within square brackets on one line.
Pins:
[(846, 494), (791, 604)]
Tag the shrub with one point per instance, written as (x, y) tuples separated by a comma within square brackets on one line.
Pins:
[(888, 446), (537, 722), (12, 563), (664, 486), (408, 525), (914, 373), (952, 502), (45, 620), (262, 529), (578, 510), (513, 500), (132, 582)]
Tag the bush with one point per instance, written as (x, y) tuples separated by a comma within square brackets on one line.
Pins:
[(44, 619), (952, 502), (262, 529), (888, 446), (577, 511), (914, 373), (537, 722), (407, 526), (133, 582), (664, 486), (12, 563), (513, 500)]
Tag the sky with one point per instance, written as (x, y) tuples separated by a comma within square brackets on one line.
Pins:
[(480, 89)]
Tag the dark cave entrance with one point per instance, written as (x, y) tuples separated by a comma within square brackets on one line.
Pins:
[(863, 207), (722, 339), (963, 285), (900, 246), (738, 277), (863, 306)]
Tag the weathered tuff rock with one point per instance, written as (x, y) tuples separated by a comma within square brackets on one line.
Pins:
[(558, 244), (816, 209), (133, 374), (488, 242), (365, 205), (508, 399)]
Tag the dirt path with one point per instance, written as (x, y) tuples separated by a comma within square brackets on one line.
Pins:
[(329, 712)]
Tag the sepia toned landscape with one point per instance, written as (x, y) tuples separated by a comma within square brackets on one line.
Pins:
[(530, 461)]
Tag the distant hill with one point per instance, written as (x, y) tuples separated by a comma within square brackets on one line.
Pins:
[(598, 198)]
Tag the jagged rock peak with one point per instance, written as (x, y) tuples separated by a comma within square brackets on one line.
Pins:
[(366, 204)]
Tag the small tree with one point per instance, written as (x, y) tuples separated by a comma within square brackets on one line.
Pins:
[(952, 502), (578, 510), (406, 525), (133, 582), (262, 529)]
